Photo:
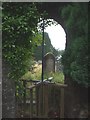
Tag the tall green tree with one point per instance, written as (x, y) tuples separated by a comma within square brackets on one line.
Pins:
[(75, 57), (48, 47)]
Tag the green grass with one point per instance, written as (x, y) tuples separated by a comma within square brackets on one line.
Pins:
[(58, 77), (35, 74)]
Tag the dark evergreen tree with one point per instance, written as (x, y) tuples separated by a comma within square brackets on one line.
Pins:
[(75, 58)]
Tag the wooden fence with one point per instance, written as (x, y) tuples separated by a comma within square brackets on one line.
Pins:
[(46, 100)]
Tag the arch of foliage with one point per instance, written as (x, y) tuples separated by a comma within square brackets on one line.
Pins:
[(20, 36)]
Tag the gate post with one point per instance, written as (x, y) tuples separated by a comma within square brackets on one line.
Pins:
[(31, 103), (24, 97), (62, 103), (45, 100)]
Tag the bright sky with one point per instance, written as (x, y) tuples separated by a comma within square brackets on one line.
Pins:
[(57, 36)]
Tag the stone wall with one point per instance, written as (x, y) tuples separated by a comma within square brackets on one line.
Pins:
[(76, 100), (8, 93)]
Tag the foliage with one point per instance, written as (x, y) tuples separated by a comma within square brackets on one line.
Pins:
[(20, 36), (35, 74), (75, 58), (47, 48), (58, 77), (18, 27), (46, 22)]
